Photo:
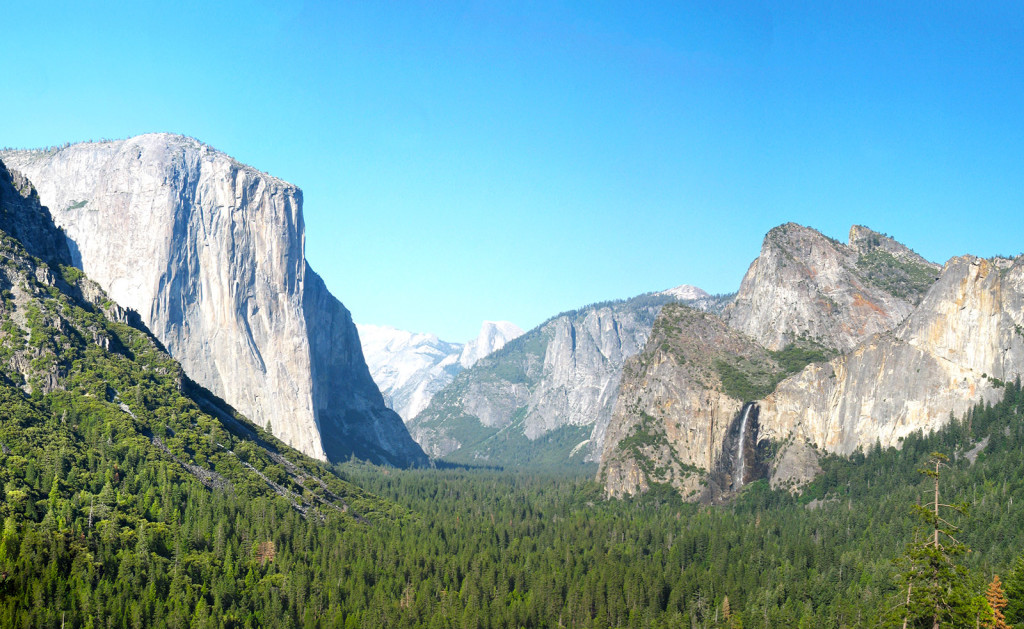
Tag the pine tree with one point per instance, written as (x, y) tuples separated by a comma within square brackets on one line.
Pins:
[(1014, 589), (997, 601), (937, 593)]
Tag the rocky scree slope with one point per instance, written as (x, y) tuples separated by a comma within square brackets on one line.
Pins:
[(409, 367), (864, 345), (545, 398), (210, 253), (85, 387)]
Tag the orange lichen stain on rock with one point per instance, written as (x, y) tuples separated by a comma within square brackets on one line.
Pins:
[(971, 389), (860, 302)]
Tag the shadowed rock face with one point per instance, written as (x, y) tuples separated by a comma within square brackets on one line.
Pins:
[(22, 217), (210, 253)]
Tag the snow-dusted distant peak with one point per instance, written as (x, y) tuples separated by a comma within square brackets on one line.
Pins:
[(493, 336), (685, 292), (383, 338)]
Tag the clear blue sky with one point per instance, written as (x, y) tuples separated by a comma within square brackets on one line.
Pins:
[(493, 160)]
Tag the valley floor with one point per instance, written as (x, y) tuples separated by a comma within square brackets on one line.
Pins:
[(478, 548)]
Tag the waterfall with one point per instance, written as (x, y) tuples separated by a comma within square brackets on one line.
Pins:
[(741, 463)]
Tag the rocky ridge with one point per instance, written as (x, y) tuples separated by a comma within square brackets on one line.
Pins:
[(805, 284), (853, 344), (963, 340), (210, 253), (545, 398)]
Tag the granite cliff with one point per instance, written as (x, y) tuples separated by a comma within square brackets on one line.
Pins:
[(807, 285), (85, 384), (963, 340), (840, 346), (210, 253), (546, 397)]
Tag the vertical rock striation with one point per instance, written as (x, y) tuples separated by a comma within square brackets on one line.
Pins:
[(965, 337), (547, 395), (210, 253)]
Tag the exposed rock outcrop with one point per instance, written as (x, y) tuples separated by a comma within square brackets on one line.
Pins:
[(673, 413), (806, 285), (210, 253), (965, 336), (918, 346), (546, 396)]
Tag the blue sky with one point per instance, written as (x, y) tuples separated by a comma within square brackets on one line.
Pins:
[(489, 160)]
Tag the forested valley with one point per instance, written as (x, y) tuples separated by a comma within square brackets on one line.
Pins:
[(104, 537)]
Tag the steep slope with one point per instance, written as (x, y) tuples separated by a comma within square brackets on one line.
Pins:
[(210, 253), (804, 284), (546, 397), (914, 349), (964, 340), (409, 368), (82, 386), (679, 414)]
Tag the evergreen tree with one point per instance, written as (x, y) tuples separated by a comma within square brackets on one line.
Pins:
[(1014, 589), (997, 602), (937, 592)]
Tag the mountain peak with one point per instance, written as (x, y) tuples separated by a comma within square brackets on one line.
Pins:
[(685, 292), (492, 337), (865, 240)]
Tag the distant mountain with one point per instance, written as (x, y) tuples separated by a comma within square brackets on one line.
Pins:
[(685, 292), (492, 337), (826, 348), (545, 398), (409, 368), (210, 253)]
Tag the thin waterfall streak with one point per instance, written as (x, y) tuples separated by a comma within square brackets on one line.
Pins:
[(738, 481)]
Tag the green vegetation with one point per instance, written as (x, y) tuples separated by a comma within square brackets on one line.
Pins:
[(125, 503), (794, 357), (749, 380), (746, 380), (509, 447), (498, 549), (909, 280)]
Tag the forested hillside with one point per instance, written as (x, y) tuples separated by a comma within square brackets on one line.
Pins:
[(495, 549)]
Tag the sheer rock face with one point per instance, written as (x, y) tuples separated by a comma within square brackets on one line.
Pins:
[(929, 344), (806, 285), (210, 253), (672, 415), (564, 373), (22, 217), (968, 329)]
